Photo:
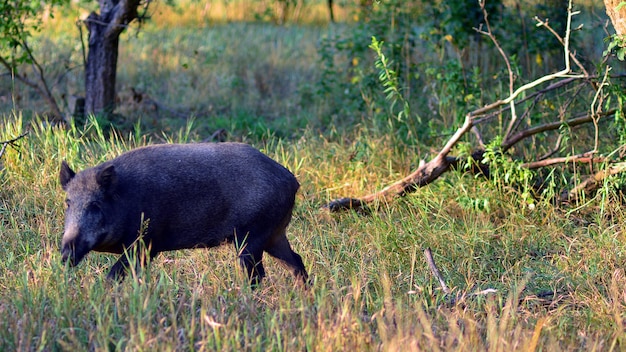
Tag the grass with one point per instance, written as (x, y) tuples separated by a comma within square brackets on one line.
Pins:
[(371, 286)]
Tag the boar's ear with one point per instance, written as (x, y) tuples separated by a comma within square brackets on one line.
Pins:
[(107, 177), (66, 174)]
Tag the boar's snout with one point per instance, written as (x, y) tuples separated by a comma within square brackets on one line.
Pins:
[(73, 246), (69, 255), (72, 252), (66, 254)]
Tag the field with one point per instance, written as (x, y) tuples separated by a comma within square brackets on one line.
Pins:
[(557, 272)]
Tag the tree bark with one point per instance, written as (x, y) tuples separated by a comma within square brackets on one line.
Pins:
[(618, 17), (101, 66)]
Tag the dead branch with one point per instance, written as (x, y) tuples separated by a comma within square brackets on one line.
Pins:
[(585, 158), (592, 183), (433, 269), (425, 174), (495, 42), (579, 120), (458, 298), (545, 24), (451, 299), (535, 95)]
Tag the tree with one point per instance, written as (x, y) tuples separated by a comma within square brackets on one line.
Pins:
[(101, 66), (18, 19), (616, 9)]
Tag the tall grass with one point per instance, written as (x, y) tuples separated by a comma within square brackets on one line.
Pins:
[(371, 287)]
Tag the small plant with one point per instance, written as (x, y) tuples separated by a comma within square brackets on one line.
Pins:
[(388, 77), (617, 45)]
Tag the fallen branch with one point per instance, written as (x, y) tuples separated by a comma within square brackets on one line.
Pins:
[(580, 158), (430, 171), (584, 158), (458, 297), (577, 121), (433, 269), (592, 183)]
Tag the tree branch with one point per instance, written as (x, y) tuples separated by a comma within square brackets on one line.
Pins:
[(580, 158), (433, 269), (11, 142), (581, 119), (123, 13)]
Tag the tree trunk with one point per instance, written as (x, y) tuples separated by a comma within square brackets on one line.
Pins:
[(618, 16), (330, 11), (101, 66)]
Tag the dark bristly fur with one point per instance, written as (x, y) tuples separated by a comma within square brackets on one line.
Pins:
[(192, 196)]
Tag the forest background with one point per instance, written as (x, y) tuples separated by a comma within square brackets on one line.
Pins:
[(528, 258)]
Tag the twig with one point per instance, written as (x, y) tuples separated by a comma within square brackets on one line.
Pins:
[(495, 42), (479, 137), (458, 297), (433, 268), (535, 95), (11, 142), (571, 97), (545, 24), (556, 148), (82, 42), (463, 296), (40, 86), (595, 111)]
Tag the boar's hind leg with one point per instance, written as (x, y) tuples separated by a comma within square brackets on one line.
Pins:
[(279, 248)]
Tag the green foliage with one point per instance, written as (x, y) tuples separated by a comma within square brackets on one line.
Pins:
[(18, 20), (505, 172), (352, 75), (459, 18), (389, 79), (617, 45)]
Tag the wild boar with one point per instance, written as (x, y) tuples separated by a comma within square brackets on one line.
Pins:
[(192, 196)]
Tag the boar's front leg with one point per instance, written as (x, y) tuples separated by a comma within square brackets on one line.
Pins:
[(250, 258), (119, 270)]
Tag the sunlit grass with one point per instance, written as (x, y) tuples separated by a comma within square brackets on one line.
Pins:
[(371, 287)]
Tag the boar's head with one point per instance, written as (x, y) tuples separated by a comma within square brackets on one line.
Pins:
[(88, 222)]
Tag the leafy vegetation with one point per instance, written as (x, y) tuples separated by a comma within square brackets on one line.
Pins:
[(348, 114)]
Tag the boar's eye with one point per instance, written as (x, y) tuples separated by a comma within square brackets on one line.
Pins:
[(93, 207), (67, 203)]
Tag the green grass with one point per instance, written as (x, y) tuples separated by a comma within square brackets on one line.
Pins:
[(371, 287)]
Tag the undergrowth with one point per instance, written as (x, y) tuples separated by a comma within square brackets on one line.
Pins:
[(559, 275)]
